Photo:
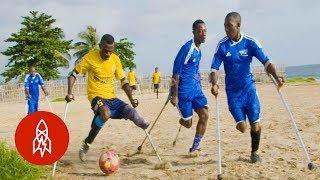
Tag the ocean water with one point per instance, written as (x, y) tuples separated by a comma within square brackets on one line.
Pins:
[(303, 71)]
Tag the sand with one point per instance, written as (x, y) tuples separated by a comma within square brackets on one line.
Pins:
[(282, 157)]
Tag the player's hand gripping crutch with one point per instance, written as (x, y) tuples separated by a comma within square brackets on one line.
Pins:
[(306, 154), (64, 119)]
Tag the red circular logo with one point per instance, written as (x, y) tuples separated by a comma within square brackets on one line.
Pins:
[(42, 138)]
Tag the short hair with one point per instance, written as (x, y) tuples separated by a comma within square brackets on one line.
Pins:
[(107, 38), (32, 66), (195, 23), (235, 15)]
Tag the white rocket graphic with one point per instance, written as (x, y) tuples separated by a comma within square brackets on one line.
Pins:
[(41, 141)]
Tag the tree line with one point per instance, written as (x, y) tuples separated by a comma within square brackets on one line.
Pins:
[(39, 42)]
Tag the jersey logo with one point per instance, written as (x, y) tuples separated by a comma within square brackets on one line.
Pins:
[(244, 52), (228, 54)]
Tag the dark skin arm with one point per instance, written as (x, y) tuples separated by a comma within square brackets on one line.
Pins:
[(271, 70), (71, 81), (127, 89), (214, 77), (175, 85)]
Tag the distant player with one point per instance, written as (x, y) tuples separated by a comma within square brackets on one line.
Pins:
[(156, 79), (236, 51), (187, 89), (32, 82), (132, 80), (102, 67)]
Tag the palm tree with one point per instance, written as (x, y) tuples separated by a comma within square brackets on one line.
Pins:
[(123, 48), (91, 41)]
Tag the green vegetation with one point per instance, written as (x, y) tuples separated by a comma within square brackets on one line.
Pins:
[(39, 43), (301, 80), (90, 41), (59, 100), (13, 166)]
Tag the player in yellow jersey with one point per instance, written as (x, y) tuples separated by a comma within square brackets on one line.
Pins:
[(102, 67), (156, 78), (132, 79)]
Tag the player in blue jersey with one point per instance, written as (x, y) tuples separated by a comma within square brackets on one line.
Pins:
[(187, 90), (236, 51), (31, 84)]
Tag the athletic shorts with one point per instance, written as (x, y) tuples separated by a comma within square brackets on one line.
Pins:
[(246, 105), (187, 102), (32, 105), (115, 105), (156, 86)]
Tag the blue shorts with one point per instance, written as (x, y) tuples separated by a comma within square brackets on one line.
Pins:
[(32, 105), (189, 101), (115, 105), (246, 105)]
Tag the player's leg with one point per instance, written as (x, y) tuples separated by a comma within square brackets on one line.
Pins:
[(102, 114), (158, 91), (36, 105), (253, 113), (185, 110), (238, 112), (31, 106), (200, 105), (123, 110)]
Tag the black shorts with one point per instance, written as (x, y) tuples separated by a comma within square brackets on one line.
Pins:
[(115, 105), (156, 86)]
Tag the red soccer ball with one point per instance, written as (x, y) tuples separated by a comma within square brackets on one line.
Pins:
[(109, 162)]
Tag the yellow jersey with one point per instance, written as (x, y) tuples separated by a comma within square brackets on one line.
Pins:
[(156, 77), (101, 74), (132, 78)]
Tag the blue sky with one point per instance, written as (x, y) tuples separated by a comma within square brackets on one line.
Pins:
[(287, 29)]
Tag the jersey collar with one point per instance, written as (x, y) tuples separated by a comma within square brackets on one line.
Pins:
[(194, 45), (236, 42)]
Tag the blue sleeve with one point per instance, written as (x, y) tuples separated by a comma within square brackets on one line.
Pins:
[(217, 58), (179, 61), (26, 82), (41, 82), (258, 52)]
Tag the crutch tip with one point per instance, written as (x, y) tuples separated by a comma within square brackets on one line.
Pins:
[(139, 148), (311, 166), (220, 177), (174, 143), (163, 166)]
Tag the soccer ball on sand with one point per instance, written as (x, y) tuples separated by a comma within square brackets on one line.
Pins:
[(109, 162)]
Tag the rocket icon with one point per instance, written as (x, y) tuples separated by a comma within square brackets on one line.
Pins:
[(41, 141)]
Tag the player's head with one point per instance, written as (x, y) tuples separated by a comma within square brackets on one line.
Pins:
[(106, 46), (232, 24), (156, 69), (32, 70), (199, 31)]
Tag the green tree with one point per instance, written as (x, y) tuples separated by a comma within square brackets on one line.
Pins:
[(91, 41), (38, 43), (123, 48)]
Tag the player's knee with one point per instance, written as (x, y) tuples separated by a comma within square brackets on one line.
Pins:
[(255, 127), (185, 123), (242, 126), (104, 113)]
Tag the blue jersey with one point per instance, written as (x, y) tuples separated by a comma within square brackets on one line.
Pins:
[(236, 58), (32, 84), (186, 66)]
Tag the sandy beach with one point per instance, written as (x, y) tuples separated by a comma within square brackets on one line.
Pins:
[(282, 157)]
